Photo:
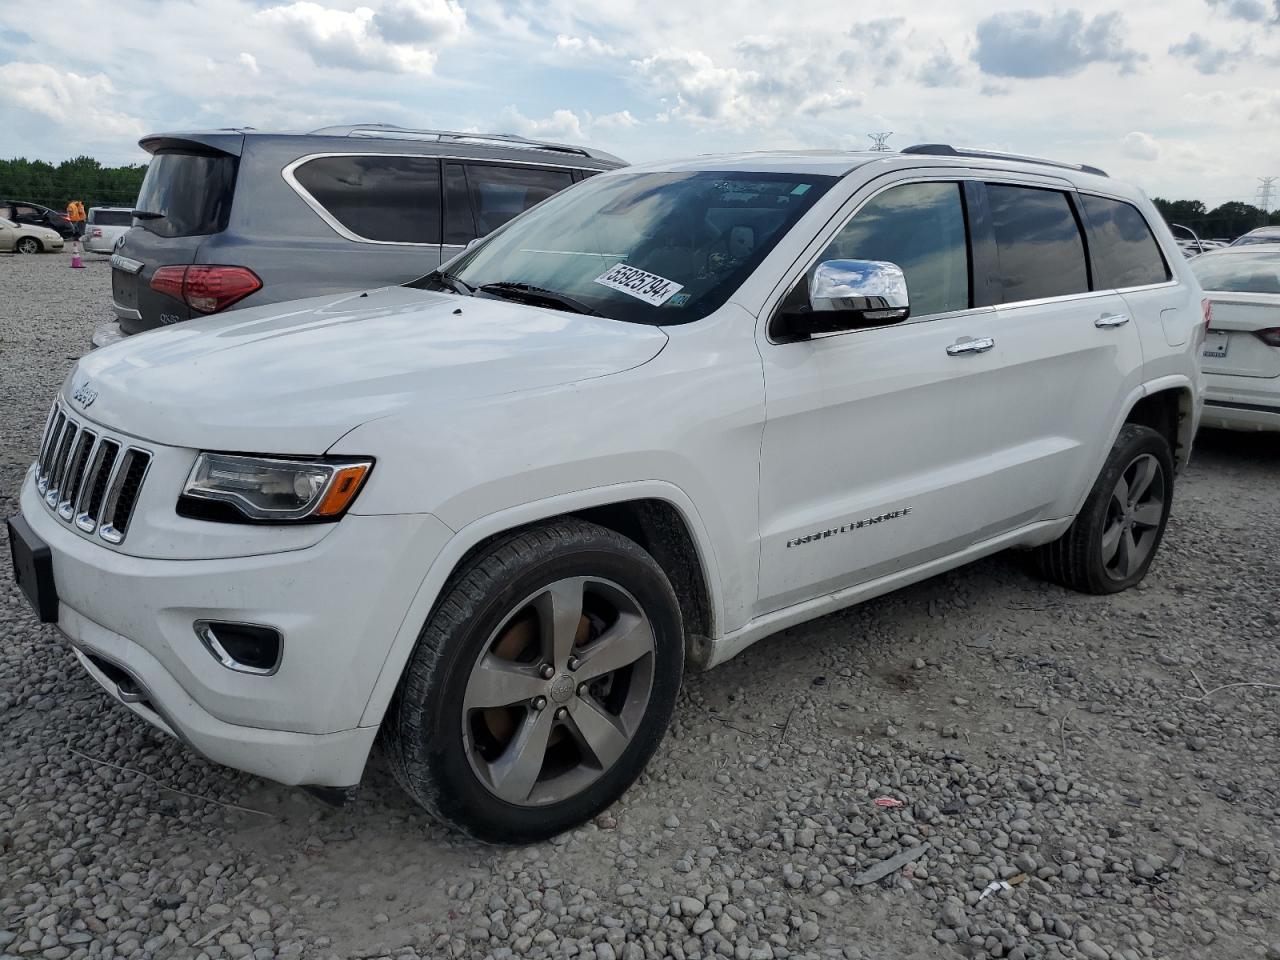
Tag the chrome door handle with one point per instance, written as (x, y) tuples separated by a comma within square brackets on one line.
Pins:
[(1112, 320), (970, 345)]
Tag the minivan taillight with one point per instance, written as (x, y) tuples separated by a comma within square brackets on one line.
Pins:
[(1270, 336), (206, 288)]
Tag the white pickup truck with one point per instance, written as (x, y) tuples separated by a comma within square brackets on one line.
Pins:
[(491, 516)]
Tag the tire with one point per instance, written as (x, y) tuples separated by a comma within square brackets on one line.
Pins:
[(475, 766), (28, 245), (1110, 545)]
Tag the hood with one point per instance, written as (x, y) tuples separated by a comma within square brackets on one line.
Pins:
[(294, 377)]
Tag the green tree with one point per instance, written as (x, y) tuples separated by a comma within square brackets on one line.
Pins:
[(80, 178)]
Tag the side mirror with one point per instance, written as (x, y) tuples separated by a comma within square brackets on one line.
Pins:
[(846, 295)]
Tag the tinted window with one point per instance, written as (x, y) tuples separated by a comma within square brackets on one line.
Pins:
[(459, 227), (1238, 272), (1041, 253), (393, 199), (1125, 254), (920, 227), (500, 193), (191, 192), (111, 218)]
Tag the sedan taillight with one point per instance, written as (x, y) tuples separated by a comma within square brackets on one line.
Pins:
[(1270, 336), (205, 288), (1206, 312)]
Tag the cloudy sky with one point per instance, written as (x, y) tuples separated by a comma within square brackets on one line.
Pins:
[(1182, 96)]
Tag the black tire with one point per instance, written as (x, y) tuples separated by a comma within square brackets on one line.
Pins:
[(28, 245), (1076, 559), (424, 734)]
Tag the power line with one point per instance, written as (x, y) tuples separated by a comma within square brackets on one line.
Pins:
[(878, 140)]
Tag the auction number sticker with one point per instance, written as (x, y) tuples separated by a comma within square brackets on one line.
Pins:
[(640, 284)]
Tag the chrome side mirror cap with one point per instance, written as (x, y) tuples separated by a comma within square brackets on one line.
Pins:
[(845, 295)]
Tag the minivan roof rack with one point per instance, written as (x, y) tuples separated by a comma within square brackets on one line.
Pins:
[(946, 150), (392, 132)]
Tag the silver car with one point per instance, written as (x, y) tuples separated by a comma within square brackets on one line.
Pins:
[(236, 218)]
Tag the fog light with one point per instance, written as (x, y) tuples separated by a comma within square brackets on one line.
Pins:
[(242, 647)]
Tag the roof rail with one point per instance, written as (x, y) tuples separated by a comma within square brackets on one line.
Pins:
[(946, 150), (390, 131)]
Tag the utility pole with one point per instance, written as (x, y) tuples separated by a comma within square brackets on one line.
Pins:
[(878, 141), (1265, 186)]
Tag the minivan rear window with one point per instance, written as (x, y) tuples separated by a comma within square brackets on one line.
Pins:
[(390, 199), (110, 218), (191, 192)]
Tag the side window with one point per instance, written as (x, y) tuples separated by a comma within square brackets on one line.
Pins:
[(1038, 243), (395, 199), (921, 228), (500, 193), (1125, 254), (459, 226)]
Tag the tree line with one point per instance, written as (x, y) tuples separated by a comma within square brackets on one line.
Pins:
[(1226, 221), (80, 178)]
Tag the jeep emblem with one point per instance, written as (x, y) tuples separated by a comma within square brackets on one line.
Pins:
[(85, 395)]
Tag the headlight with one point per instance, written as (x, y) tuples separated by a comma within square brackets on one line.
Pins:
[(224, 486)]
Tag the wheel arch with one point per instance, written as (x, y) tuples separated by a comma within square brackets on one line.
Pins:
[(657, 515), (1169, 408)]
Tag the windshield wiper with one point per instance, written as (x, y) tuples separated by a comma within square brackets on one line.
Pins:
[(538, 295)]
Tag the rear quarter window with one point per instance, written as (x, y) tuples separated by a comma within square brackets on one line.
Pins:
[(391, 199), (1125, 253)]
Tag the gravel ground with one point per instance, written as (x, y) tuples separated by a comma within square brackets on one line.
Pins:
[(1079, 748)]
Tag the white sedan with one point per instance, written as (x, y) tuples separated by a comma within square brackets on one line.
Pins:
[(1242, 350), (25, 238)]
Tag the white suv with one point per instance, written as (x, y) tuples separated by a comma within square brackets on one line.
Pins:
[(492, 515)]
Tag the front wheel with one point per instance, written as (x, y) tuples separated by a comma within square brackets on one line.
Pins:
[(541, 684), (1110, 545), (28, 245)]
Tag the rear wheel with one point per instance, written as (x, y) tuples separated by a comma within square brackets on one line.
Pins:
[(28, 245), (541, 685), (1110, 545)]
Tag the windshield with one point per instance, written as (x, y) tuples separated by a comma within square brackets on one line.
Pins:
[(658, 248), (1239, 272)]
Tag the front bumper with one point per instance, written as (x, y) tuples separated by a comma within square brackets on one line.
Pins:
[(338, 603), (1241, 403)]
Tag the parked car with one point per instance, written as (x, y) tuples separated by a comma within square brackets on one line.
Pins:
[(24, 238), (1242, 350), (104, 226), (35, 215), (1260, 235), (493, 514), (241, 218)]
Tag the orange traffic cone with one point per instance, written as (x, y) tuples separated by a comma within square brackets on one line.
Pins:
[(76, 262)]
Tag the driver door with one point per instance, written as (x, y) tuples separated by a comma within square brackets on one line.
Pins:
[(881, 446)]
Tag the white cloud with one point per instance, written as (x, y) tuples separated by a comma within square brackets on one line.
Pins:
[(621, 119), (393, 38), (561, 125), (81, 104), (1140, 146), (250, 63), (586, 45)]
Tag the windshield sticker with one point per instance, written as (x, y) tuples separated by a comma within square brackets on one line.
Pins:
[(679, 300), (649, 287)]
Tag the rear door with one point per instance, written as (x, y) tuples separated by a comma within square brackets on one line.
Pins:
[(1070, 353), (186, 197)]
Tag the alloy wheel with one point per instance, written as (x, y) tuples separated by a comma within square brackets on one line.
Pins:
[(27, 245), (1134, 513), (559, 691)]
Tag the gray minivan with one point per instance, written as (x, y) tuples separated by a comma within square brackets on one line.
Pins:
[(234, 218)]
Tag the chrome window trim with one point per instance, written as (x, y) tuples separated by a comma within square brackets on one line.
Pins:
[(290, 177)]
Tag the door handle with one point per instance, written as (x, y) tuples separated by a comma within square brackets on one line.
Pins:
[(1111, 320), (971, 345)]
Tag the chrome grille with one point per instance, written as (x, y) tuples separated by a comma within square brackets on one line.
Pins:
[(89, 479)]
